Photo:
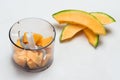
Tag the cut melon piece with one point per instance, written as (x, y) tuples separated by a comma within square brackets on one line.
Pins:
[(20, 58), (18, 43), (45, 41), (45, 61), (69, 31), (103, 17), (35, 56), (37, 37), (39, 59), (25, 38), (82, 18), (31, 64), (92, 37), (32, 55)]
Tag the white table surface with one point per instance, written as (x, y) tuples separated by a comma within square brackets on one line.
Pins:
[(74, 60)]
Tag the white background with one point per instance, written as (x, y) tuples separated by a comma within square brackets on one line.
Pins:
[(74, 60)]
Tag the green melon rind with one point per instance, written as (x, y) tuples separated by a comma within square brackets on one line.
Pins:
[(62, 11), (112, 19), (60, 39), (94, 45), (96, 42)]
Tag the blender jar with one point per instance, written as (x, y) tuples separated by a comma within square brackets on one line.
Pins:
[(43, 33)]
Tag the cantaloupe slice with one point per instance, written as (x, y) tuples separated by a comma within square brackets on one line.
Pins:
[(69, 31), (104, 18), (92, 37), (82, 18)]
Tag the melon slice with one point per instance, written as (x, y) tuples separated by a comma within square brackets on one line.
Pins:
[(92, 37), (69, 31), (82, 18), (103, 17)]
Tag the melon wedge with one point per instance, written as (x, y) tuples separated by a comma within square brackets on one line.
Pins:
[(80, 17), (103, 17), (92, 37), (69, 31)]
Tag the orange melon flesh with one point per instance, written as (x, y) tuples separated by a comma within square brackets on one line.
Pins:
[(46, 41), (18, 43), (32, 55), (32, 58), (31, 64), (69, 31), (25, 38), (103, 17), (37, 37), (92, 37), (82, 18), (39, 59), (20, 58)]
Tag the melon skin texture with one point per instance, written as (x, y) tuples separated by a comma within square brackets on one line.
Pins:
[(81, 18), (104, 18), (69, 31)]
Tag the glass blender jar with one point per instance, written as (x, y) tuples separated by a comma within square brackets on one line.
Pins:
[(33, 43)]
